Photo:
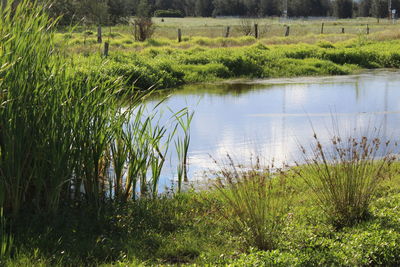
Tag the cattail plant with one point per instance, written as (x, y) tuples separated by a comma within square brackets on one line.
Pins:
[(6, 240), (184, 119), (65, 137)]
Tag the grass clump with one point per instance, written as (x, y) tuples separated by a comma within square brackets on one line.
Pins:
[(345, 175), (255, 203)]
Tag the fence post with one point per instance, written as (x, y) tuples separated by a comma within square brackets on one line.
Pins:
[(256, 30), (99, 37), (106, 47), (287, 31), (322, 28), (342, 30), (367, 29), (227, 32), (135, 32), (179, 35)]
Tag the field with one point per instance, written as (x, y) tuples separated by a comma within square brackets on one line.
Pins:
[(271, 31), (205, 56), (268, 27), (79, 175)]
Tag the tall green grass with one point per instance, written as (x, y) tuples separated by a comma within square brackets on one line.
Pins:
[(6, 239), (66, 139)]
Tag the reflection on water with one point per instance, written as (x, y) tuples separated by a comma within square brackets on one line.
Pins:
[(272, 117)]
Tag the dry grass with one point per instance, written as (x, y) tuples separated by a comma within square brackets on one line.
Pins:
[(210, 32)]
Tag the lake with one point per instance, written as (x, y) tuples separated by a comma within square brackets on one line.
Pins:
[(271, 118)]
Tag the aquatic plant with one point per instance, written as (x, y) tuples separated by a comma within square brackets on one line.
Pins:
[(62, 138), (182, 146)]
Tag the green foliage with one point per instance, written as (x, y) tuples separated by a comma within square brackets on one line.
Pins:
[(63, 135), (6, 239), (343, 8), (161, 64), (170, 13)]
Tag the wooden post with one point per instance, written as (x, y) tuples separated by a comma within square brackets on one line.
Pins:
[(287, 31), (99, 37), (322, 28), (106, 47), (367, 29), (342, 30), (227, 32), (179, 35), (256, 30)]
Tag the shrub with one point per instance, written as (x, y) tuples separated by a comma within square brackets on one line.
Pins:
[(170, 13)]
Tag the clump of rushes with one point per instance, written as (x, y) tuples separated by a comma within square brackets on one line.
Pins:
[(255, 202), (345, 174)]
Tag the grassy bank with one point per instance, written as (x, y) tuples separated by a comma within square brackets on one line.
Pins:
[(163, 65), (190, 228), (204, 55)]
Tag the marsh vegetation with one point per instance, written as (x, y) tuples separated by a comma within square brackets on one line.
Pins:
[(81, 158)]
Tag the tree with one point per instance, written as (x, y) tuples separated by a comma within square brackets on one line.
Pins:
[(118, 9), (379, 8), (364, 8), (204, 8), (144, 27), (343, 8), (269, 7), (228, 8)]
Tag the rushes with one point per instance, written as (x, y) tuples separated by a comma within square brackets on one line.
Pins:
[(345, 175), (255, 202)]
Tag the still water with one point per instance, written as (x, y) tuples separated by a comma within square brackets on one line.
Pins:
[(271, 118)]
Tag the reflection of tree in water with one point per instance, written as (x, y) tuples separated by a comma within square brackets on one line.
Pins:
[(228, 89)]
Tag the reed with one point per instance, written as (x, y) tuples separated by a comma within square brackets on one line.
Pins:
[(184, 119), (6, 240), (66, 139)]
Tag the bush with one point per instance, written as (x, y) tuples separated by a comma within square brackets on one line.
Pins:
[(170, 13)]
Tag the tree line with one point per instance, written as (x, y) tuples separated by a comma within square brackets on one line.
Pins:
[(116, 11)]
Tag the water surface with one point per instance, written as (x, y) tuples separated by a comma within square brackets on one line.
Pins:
[(270, 118)]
